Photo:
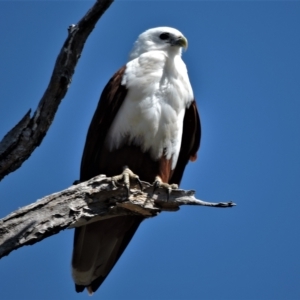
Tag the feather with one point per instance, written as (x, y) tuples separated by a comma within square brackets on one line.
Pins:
[(146, 119)]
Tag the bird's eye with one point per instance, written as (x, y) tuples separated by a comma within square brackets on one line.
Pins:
[(164, 36)]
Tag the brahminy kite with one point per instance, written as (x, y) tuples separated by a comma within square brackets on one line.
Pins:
[(146, 120)]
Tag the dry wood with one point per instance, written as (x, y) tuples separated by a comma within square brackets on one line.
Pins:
[(21, 141), (87, 202)]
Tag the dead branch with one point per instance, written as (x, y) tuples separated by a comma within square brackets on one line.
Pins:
[(18, 144), (87, 202)]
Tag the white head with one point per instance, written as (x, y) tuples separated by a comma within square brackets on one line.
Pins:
[(159, 38)]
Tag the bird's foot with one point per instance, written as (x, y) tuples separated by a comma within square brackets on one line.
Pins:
[(168, 187), (126, 176)]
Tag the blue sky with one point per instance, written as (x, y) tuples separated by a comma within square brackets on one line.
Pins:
[(243, 61)]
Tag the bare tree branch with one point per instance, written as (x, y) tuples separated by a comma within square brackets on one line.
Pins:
[(21, 141), (84, 203)]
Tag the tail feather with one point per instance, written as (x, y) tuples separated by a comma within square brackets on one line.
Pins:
[(97, 248)]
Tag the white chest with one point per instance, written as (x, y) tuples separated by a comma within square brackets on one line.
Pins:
[(152, 113)]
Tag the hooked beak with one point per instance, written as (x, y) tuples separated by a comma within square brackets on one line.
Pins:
[(181, 41)]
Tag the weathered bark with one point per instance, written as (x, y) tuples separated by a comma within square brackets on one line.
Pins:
[(21, 141), (86, 202)]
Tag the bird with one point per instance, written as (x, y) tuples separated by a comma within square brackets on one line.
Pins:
[(146, 126)]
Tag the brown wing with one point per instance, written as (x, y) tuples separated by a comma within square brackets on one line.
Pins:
[(109, 104), (98, 246), (190, 143)]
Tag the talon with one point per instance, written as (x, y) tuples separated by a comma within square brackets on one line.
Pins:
[(169, 190), (156, 185), (126, 175), (113, 183), (139, 182), (168, 187)]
